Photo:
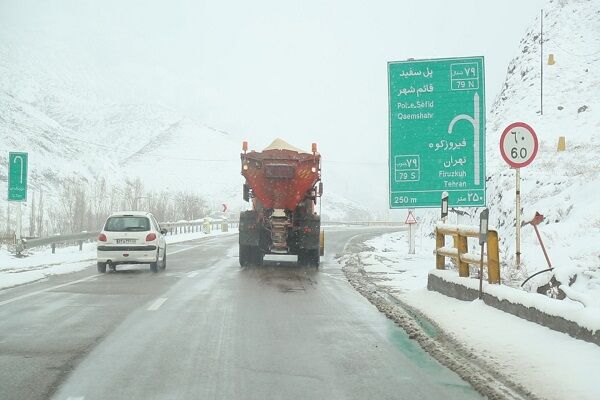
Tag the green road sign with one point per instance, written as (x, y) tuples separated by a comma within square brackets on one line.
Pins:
[(17, 176), (437, 132)]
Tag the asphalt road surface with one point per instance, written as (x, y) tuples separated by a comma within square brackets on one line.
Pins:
[(207, 329)]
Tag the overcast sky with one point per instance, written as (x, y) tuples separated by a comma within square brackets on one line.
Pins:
[(304, 70)]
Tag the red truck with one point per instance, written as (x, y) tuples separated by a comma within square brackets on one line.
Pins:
[(283, 184)]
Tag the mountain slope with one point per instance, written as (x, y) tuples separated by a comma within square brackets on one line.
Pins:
[(74, 122), (563, 186)]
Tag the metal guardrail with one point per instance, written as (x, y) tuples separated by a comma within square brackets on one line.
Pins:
[(460, 250), (173, 228), (364, 223), (58, 239), (176, 228)]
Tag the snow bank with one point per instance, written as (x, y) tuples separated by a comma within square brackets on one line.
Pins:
[(41, 263), (547, 363)]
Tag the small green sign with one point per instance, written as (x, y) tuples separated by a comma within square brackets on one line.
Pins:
[(17, 176), (437, 132)]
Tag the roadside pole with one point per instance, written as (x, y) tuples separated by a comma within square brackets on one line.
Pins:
[(518, 147), (18, 227), (411, 240), (444, 211), (410, 221), (483, 231), (518, 216)]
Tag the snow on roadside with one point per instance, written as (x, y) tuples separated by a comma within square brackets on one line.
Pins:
[(41, 263), (550, 364), (547, 363)]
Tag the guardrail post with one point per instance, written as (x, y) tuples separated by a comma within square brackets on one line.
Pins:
[(53, 248), (80, 245), (493, 257), (440, 241), (460, 243)]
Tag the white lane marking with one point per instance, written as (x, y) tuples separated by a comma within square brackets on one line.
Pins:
[(186, 249), (2, 303), (156, 305), (76, 398), (192, 274)]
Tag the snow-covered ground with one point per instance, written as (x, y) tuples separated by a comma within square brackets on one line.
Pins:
[(561, 185), (41, 263), (549, 364)]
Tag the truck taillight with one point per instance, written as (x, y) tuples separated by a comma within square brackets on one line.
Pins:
[(150, 237), (102, 237)]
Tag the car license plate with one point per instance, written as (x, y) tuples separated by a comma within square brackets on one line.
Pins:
[(125, 241)]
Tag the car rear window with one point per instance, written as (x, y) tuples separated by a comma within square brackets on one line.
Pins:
[(127, 223)]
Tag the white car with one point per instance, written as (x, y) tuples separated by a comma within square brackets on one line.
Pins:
[(132, 237)]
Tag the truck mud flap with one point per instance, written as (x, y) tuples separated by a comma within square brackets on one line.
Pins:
[(249, 230)]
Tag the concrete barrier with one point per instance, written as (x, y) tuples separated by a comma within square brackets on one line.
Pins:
[(557, 323)]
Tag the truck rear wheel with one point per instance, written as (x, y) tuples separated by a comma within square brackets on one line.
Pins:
[(314, 258), (250, 255), (301, 258), (308, 258), (256, 256), (244, 255)]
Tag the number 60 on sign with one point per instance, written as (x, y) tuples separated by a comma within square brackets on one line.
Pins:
[(518, 144)]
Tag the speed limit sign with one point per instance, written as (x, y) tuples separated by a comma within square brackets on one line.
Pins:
[(518, 144)]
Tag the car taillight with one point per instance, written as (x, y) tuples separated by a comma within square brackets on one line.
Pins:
[(102, 237), (150, 237)]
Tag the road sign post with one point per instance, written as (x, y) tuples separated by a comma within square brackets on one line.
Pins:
[(436, 132), (444, 213), (483, 232), (410, 221), (518, 147)]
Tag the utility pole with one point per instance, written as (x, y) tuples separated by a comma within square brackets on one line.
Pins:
[(542, 62)]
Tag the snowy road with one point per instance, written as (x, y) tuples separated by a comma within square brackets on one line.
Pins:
[(205, 328)]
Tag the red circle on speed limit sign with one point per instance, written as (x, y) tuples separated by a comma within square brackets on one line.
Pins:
[(518, 144)]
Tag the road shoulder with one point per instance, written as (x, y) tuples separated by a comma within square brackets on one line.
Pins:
[(482, 375)]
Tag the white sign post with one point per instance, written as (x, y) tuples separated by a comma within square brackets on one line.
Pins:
[(518, 146), (410, 221)]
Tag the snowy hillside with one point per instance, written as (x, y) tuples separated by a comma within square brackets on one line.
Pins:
[(190, 156), (51, 108), (563, 186), (67, 116)]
